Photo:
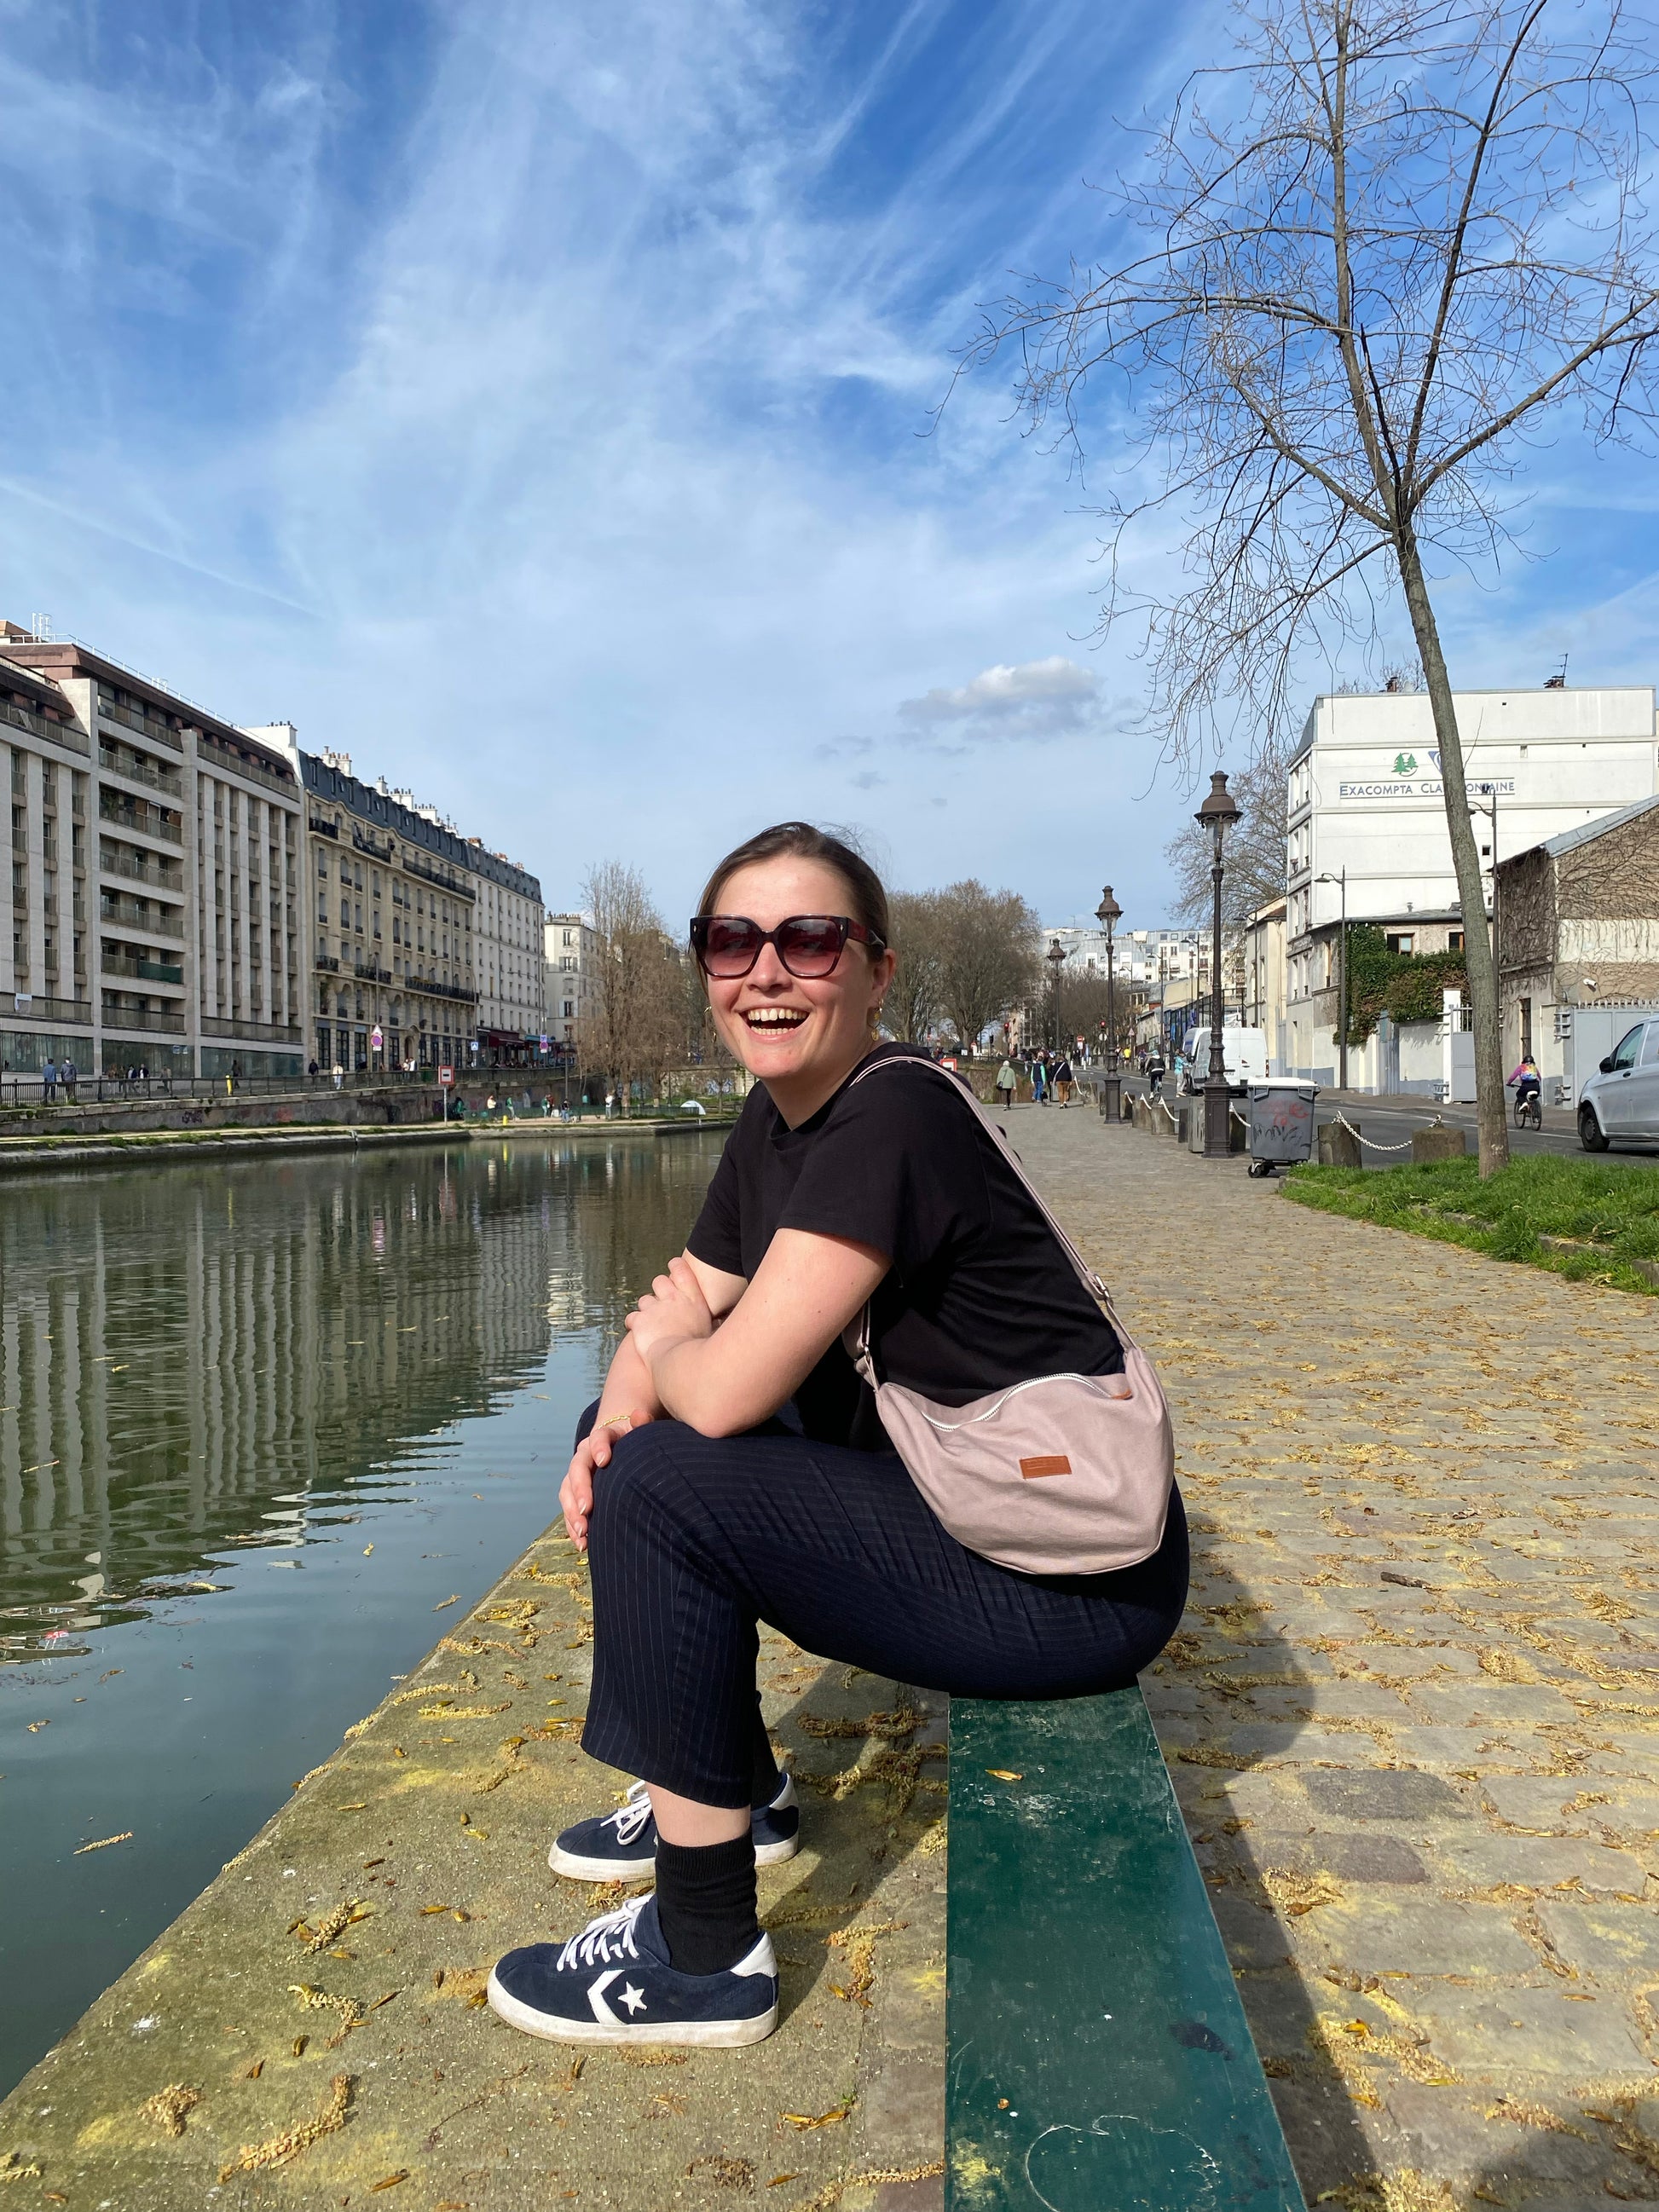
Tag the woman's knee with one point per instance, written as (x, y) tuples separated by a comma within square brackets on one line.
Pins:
[(644, 1477)]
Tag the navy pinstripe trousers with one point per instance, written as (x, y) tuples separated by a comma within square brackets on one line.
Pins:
[(694, 1539)]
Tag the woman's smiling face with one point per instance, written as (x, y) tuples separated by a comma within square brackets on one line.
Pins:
[(799, 1037)]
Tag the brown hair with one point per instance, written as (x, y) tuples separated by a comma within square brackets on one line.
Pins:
[(801, 840)]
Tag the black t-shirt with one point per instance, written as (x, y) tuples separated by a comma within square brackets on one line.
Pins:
[(980, 1294)]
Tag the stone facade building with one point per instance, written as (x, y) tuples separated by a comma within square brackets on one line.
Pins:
[(392, 905), (156, 870), (512, 1006), (570, 961), (1578, 928)]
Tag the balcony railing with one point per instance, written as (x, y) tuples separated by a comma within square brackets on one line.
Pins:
[(141, 971), (135, 771), (367, 971), (142, 821), (138, 873), (319, 828), (76, 1011), (210, 754), (42, 726), (432, 875), (157, 920), (326, 960), (254, 1032), (140, 1018), (163, 733)]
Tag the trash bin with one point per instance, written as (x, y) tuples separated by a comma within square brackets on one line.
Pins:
[(1281, 1123)]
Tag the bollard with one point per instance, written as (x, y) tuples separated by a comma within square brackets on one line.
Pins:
[(1438, 1142), (1340, 1147)]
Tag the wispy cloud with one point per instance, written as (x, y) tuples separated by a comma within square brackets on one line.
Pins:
[(533, 401)]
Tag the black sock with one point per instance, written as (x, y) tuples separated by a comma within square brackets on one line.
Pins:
[(706, 1904)]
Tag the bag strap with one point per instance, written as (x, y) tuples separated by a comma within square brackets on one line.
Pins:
[(1086, 1275)]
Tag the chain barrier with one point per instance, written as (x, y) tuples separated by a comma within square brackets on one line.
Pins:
[(1370, 1141)]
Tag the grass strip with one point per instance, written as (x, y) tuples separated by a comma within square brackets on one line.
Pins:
[(1578, 1217)]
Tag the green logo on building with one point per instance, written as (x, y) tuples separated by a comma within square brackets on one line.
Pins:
[(1404, 763)]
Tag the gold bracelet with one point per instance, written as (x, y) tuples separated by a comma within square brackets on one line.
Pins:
[(612, 1422)]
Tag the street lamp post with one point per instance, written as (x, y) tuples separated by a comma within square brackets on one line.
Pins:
[(1107, 914), (1216, 815), (1341, 982), (1055, 957)]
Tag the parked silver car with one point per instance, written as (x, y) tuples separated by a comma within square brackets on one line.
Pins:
[(1620, 1104)]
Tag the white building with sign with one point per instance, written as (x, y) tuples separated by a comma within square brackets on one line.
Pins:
[(1366, 814)]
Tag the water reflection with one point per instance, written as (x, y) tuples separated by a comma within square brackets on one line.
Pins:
[(260, 1421), (193, 1356)]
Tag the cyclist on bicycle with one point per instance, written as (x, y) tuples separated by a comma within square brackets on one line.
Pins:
[(1527, 1083)]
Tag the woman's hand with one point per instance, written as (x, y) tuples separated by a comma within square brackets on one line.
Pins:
[(672, 1312), (576, 1490)]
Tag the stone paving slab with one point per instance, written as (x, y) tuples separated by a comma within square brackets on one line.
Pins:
[(1427, 1808), (321, 2007)]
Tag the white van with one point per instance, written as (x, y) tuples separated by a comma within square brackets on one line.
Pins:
[(1244, 1052)]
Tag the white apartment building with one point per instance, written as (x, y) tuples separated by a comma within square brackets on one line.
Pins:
[(157, 920), (570, 961), (1365, 804), (512, 1000), (1144, 959)]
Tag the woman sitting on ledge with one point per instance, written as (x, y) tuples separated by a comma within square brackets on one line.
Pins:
[(735, 1469)]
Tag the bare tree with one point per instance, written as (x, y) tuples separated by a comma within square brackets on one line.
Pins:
[(1255, 849), (914, 1002), (1383, 243), (636, 1030), (989, 959)]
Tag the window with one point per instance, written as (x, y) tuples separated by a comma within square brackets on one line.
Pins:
[(1525, 1018), (1402, 940), (1454, 940), (1624, 1053)]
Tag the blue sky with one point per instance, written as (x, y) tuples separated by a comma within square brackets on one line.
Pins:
[(532, 401)]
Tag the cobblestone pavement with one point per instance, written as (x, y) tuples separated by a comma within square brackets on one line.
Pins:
[(1411, 1715), (1410, 1719)]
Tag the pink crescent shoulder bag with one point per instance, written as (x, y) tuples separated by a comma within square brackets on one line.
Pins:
[(1052, 1476)]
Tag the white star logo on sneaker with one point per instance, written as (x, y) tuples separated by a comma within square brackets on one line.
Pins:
[(633, 1998)]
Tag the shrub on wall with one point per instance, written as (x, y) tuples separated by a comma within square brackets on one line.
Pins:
[(1405, 986)]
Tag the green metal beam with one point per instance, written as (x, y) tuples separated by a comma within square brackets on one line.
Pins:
[(1099, 2059)]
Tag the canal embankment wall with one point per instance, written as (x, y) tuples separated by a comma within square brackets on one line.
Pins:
[(126, 1146)]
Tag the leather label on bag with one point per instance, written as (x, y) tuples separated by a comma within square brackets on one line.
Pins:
[(1057, 1463)]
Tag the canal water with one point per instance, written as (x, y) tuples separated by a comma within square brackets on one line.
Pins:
[(262, 1429)]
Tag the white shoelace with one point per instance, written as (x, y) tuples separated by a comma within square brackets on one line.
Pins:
[(630, 1817), (610, 1936)]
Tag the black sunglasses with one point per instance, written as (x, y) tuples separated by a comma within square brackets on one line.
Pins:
[(809, 946)]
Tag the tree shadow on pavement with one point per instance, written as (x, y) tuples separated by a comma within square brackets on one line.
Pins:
[(1231, 1700)]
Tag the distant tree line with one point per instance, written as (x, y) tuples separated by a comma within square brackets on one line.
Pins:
[(967, 958)]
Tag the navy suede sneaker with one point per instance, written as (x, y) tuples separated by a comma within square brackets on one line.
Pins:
[(620, 1846), (613, 1983)]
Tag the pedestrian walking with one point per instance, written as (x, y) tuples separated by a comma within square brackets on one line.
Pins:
[(1039, 1082), (702, 1511), (49, 1081), (1007, 1084), (1063, 1079), (311, 1069), (339, 1075), (71, 1079)]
